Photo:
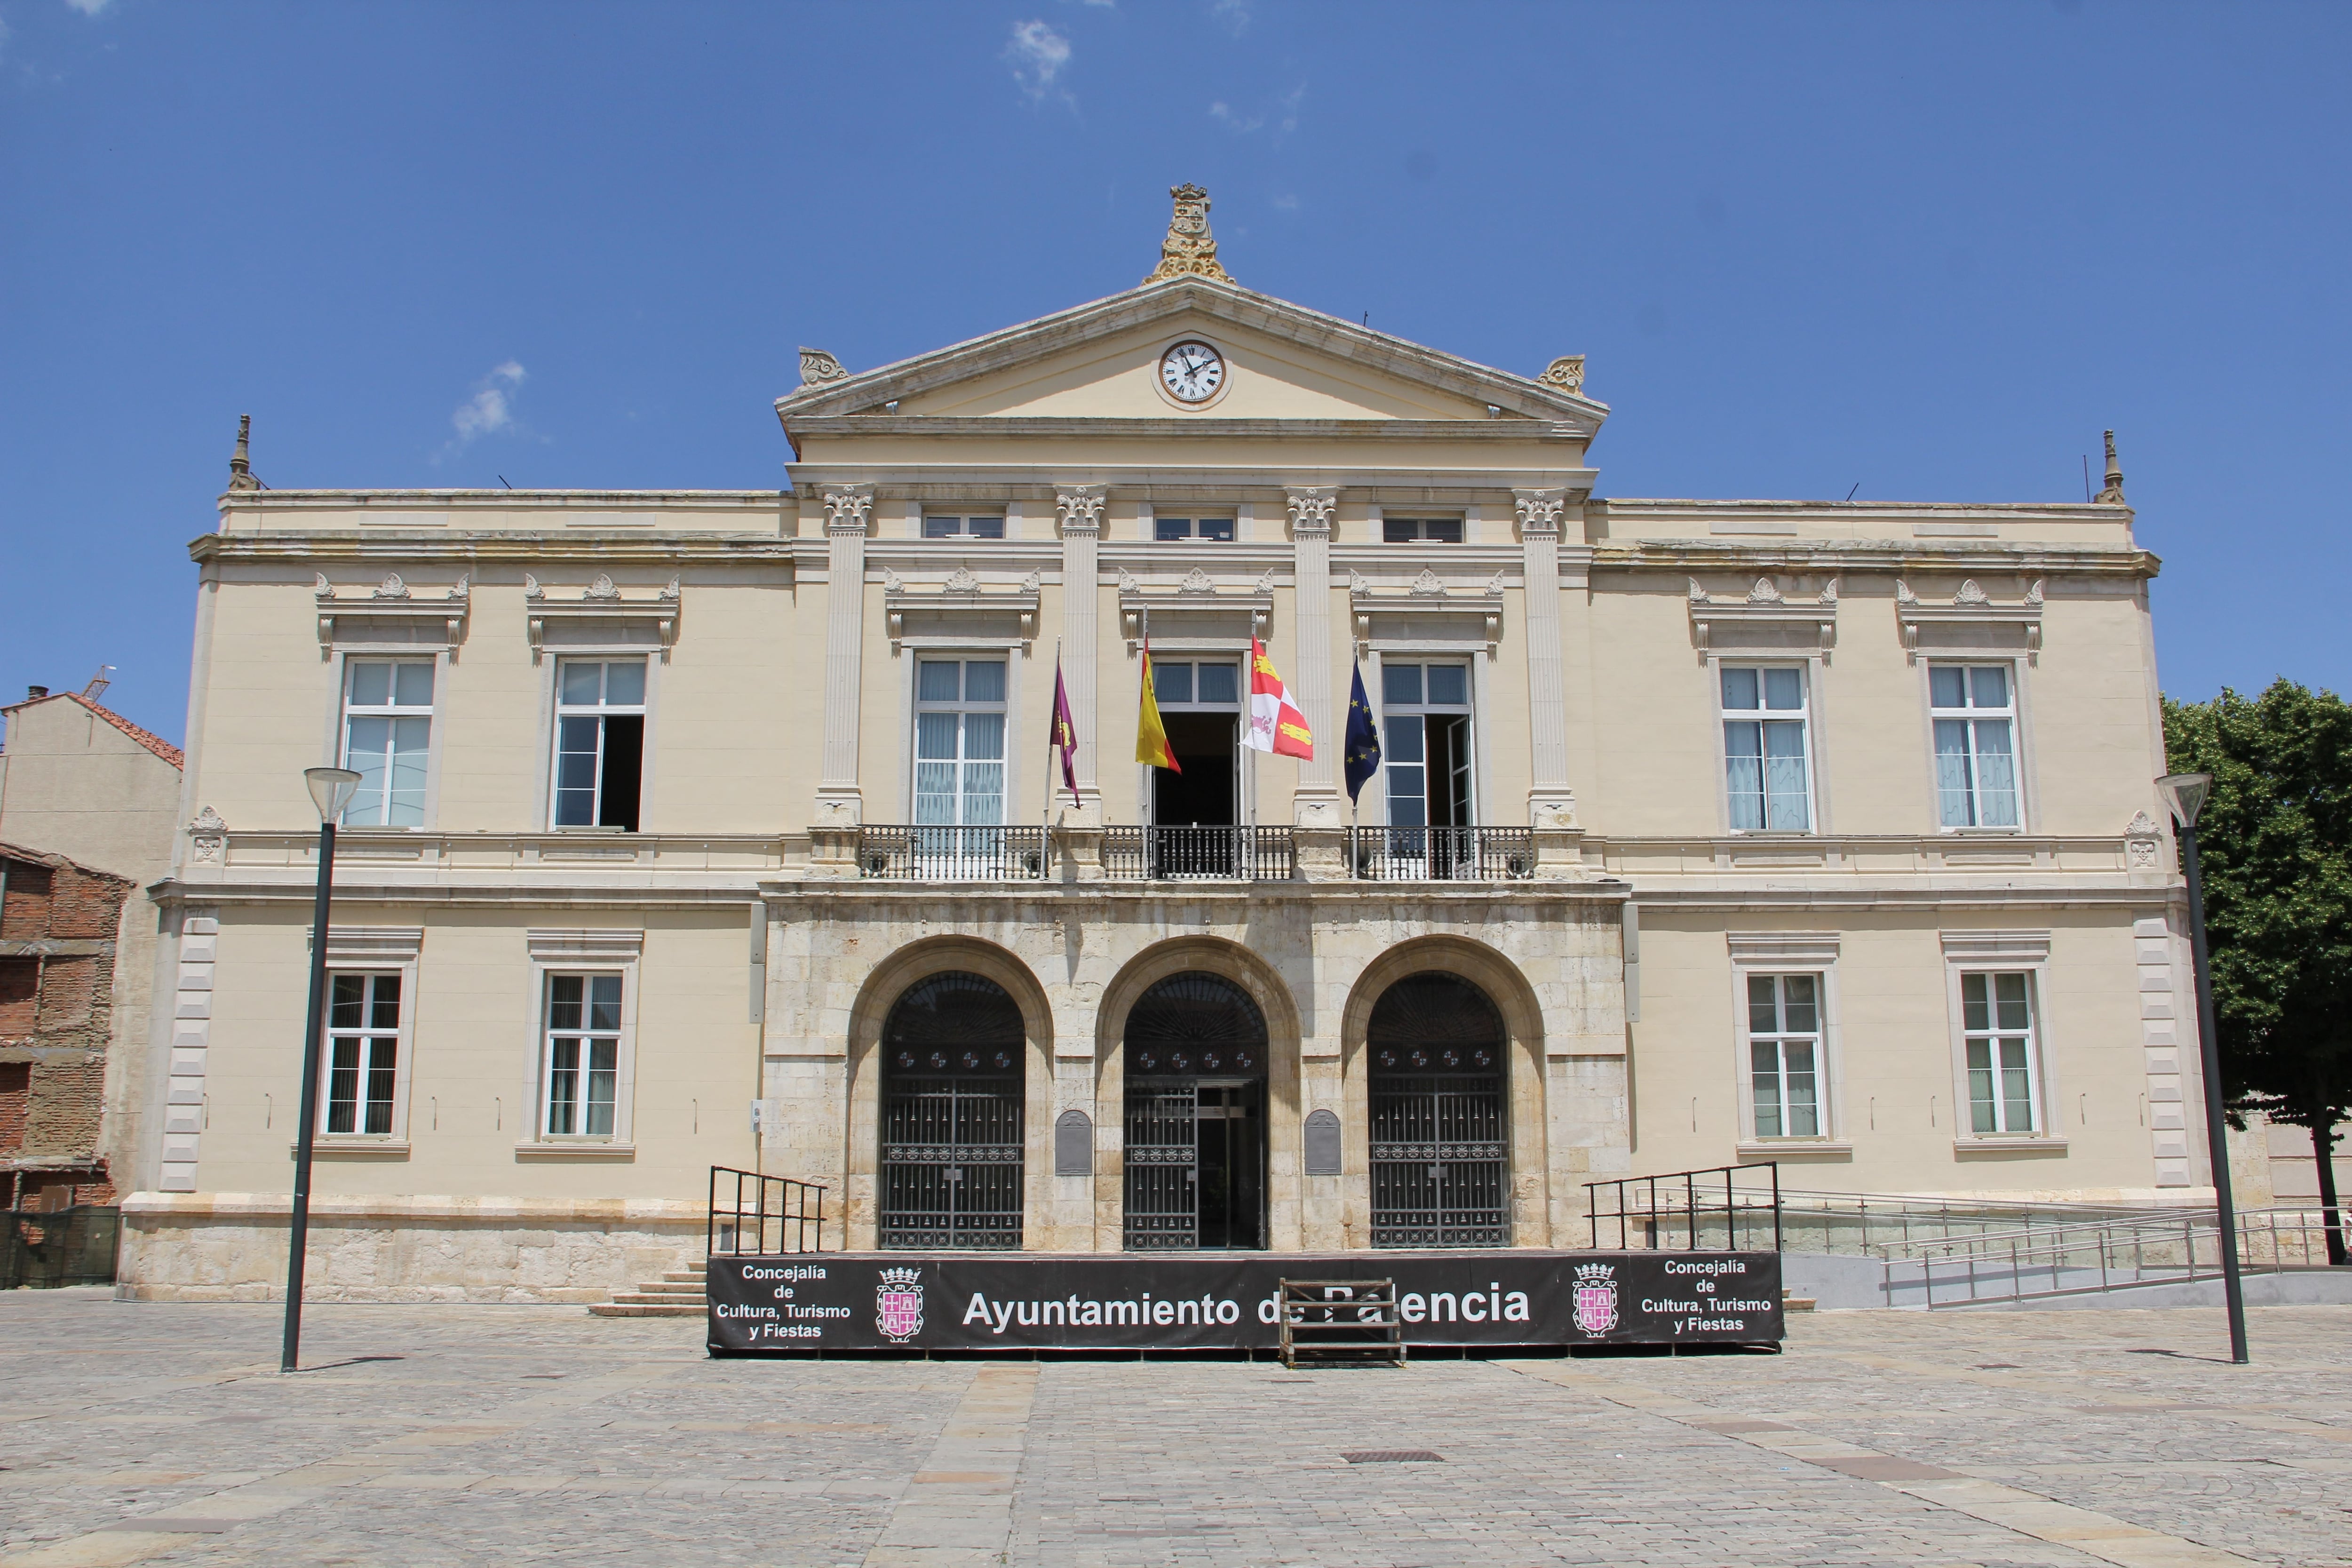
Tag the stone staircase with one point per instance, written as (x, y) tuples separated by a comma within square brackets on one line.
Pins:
[(677, 1294)]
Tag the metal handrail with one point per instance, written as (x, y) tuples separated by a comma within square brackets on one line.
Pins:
[(924, 852), (2179, 1245), (1219, 854), (1442, 854), (1695, 1212), (792, 1211)]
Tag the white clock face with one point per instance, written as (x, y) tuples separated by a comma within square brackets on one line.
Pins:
[(1191, 371)]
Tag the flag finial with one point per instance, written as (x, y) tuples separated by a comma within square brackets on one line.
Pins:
[(2114, 494)]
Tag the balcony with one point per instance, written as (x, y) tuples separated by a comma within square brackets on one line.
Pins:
[(1199, 854), (928, 854), (1442, 854)]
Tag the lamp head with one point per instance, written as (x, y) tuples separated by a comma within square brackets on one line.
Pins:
[(331, 788), (2184, 795)]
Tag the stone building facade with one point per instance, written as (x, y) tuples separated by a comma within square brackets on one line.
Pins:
[(721, 829), (58, 923)]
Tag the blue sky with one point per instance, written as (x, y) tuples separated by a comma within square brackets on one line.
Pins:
[(1927, 250)]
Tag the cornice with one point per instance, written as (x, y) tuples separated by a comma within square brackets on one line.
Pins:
[(497, 500), (1037, 479), (1178, 427), (1836, 556), (472, 546), (1850, 511), (1065, 330)]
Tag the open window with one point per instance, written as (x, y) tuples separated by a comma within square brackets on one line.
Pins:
[(600, 742)]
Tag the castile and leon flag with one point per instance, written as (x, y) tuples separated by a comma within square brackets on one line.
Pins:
[(1275, 722)]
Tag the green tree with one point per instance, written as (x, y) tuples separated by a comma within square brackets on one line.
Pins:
[(2276, 843)]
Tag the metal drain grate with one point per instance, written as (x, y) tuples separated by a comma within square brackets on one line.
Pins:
[(1393, 1457)]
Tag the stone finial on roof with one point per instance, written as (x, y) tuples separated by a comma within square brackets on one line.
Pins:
[(240, 463), (817, 367), (1566, 372), (2114, 494), (1189, 251)]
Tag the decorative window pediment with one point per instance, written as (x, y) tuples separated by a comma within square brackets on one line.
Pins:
[(1764, 619), (1407, 609), (1971, 624), (602, 603), (955, 603), (1195, 602), (392, 612)]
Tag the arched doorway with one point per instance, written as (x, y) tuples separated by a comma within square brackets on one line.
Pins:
[(1195, 1154), (1440, 1134), (952, 1058)]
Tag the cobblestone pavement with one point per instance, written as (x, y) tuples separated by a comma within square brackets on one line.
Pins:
[(431, 1436)]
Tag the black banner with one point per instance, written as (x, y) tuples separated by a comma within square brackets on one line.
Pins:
[(872, 1301)]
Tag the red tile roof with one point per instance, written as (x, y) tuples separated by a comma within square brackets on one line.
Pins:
[(153, 742)]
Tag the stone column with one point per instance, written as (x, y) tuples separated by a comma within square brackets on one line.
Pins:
[(1310, 531), (1079, 510), (1551, 805), (839, 807)]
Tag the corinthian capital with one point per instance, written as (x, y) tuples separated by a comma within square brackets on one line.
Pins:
[(1539, 511), (1079, 507), (845, 509), (1310, 512)]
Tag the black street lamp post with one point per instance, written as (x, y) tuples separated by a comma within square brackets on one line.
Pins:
[(2185, 795), (331, 789)]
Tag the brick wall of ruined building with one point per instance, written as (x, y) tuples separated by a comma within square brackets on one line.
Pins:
[(57, 926)]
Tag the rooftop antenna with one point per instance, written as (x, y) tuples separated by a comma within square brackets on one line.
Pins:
[(1857, 485), (506, 481), (240, 464), (98, 682), (2087, 476)]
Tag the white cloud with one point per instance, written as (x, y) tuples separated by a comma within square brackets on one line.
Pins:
[(1241, 124), (1037, 55), (89, 7), (1234, 16), (1290, 102), (1105, 5), (1287, 203), (491, 408), (3, 36), (1222, 113)]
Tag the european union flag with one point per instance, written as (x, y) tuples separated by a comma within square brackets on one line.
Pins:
[(1363, 744)]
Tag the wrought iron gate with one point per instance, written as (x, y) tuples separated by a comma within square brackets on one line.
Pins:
[(951, 1116), (1163, 1171), (1440, 1120)]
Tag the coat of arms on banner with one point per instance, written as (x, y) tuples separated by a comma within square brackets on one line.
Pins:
[(899, 1304), (1596, 1297)]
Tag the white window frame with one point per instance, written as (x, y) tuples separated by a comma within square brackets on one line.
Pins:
[(1779, 953), (1420, 525), (1467, 707), (1245, 773), (961, 522), (336, 752), (373, 950), (961, 705), (582, 952), (2013, 715), (1192, 534), (2024, 952), (558, 710), (1808, 673)]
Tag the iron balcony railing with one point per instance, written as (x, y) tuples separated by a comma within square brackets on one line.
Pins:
[(1442, 854), (922, 853), (1734, 1207), (1199, 854), (756, 1215)]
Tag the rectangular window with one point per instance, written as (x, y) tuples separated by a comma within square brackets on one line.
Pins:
[(583, 1053), (1764, 749), (960, 741), (936, 526), (1426, 741), (1420, 531), (600, 742), (363, 1054), (1784, 1054), (1165, 529), (1975, 709), (1201, 685), (1996, 1023), (387, 734)]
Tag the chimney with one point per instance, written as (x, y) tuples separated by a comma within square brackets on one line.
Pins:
[(34, 693)]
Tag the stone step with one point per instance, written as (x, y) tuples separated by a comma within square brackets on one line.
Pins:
[(670, 1285), (686, 1275), (1793, 1302), (696, 1301), (619, 1307)]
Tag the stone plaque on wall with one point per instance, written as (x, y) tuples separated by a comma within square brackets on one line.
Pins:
[(1322, 1143), (1074, 1145)]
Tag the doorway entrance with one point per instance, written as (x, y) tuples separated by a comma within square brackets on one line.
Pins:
[(1194, 812), (952, 1084), (1196, 1117), (1440, 1131)]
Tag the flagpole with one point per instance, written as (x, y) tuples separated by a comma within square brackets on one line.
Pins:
[(1052, 728)]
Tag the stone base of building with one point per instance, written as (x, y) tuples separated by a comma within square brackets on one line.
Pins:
[(231, 1247)]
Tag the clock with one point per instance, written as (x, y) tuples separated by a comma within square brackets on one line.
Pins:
[(1192, 372)]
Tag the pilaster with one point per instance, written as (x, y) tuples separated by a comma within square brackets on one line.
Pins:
[(1551, 804), (1318, 798), (1078, 509), (847, 511)]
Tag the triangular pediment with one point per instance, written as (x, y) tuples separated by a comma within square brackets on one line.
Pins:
[(1100, 361)]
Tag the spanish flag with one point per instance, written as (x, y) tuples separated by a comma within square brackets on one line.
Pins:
[(1151, 735)]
